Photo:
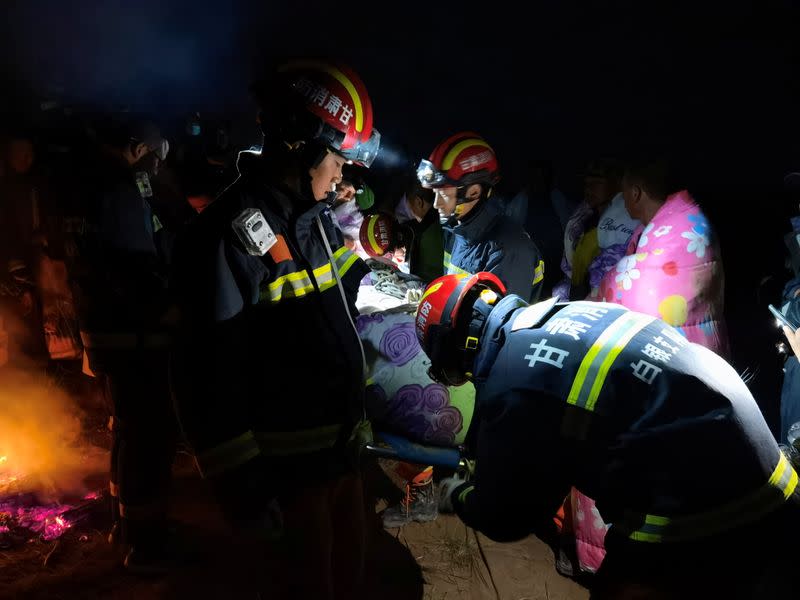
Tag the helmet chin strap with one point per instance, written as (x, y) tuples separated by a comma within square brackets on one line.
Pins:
[(481, 309), (461, 194)]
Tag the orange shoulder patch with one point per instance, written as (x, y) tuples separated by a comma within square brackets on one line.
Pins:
[(280, 250)]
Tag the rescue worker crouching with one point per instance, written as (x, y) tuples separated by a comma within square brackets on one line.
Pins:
[(268, 375), (663, 433)]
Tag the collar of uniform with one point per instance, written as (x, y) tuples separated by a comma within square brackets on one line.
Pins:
[(478, 223), (494, 334)]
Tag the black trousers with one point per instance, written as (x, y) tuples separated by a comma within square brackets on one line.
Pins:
[(144, 429), (755, 562)]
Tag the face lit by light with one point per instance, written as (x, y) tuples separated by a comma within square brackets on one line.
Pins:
[(326, 175), (445, 201)]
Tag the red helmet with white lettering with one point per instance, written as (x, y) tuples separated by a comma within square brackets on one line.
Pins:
[(461, 160), (444, 318), (376, 235), (315, 101), (381, 233)]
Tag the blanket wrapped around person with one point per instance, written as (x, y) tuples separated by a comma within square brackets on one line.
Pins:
[(400, 396)]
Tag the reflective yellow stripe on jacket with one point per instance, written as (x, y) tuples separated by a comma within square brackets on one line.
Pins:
[(451, 269), (596, 364), (657, 529), (286, 443), (228, 455), (299, 283), (538, 273)]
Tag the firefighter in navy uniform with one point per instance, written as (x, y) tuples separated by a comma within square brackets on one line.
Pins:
[(463, 171), (124, 311), (268, 375), (663, 433)]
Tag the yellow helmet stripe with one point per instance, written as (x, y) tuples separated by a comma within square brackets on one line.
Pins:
[(450, 157), (346, 83), (371, 231)]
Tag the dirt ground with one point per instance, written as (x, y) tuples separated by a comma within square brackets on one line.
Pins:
[(432, 561)]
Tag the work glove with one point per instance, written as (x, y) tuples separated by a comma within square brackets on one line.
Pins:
[(447, 486)]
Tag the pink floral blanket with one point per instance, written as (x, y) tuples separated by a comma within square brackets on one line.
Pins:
[(673, 270)]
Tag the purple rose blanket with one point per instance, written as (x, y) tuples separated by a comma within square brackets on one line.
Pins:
[(400, 396)]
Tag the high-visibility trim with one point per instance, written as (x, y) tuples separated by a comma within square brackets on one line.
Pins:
[(344, 259), (93, 340), (594, 368), (451, 268), (462, 495), (298, 283), (291, 285), (228, 455), (781, 485), (538, 273), (453, 153), (286, 443)]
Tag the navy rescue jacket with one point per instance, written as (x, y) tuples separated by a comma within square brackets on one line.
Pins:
[(269, 362), (662, 433), (119, 277), (487, 240)]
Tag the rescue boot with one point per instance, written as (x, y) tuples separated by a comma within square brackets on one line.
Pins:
[(418, 504), (156, 548)]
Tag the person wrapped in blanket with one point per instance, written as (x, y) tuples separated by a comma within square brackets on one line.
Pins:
[(400, 396)]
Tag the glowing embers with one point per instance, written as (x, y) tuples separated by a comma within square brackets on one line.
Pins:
[(46, 521)]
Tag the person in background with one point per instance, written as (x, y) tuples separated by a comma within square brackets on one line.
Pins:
[(425, 255), (26, 215), (597, 233), (354, 198), (463, 170), (126, 316), (544, 212), (672, 267), (790, 306)]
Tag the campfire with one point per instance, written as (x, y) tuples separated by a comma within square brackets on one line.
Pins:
[(44, 461)]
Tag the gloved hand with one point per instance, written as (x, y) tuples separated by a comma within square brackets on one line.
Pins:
[(446, 488)]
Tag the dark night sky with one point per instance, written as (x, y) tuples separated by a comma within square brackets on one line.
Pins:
[(716, 84)]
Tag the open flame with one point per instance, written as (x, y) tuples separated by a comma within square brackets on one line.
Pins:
[(43, 459)]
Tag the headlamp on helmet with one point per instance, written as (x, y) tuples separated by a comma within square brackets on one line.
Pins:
[(429, 176)]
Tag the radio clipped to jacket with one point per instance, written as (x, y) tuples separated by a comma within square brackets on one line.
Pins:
[(254, 232)]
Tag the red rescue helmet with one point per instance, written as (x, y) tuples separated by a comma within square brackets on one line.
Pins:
[(444, 319), (315, 101), (461, 160), (380, 234), (375, 235)]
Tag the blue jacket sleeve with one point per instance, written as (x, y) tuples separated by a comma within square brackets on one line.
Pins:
[(519, 266), (523, 469)]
